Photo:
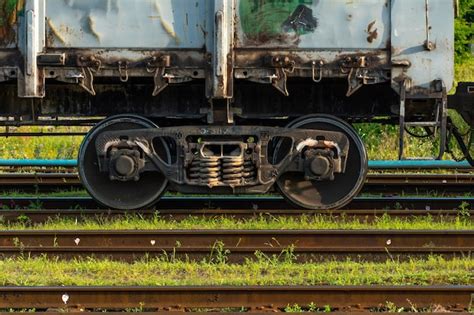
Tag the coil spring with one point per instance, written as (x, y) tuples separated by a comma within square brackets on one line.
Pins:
[(232, 169), (214, 171), (206, 170)]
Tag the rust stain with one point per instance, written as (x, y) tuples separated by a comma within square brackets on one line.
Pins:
[(373, 33)]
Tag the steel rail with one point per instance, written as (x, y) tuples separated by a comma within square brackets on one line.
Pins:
[(452, 298), (247, 203), (236, 244), (258, 311), (386, 183)]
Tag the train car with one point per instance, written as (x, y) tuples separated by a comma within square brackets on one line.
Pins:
[(250, 96)]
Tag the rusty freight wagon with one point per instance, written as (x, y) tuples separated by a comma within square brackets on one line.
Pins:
[(250, 95)]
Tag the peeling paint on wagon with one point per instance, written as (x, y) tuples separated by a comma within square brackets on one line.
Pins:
[(9, 11), (317, 24), (266, 20), (373, 33), (297, 30), (130, 24), (169, 28)]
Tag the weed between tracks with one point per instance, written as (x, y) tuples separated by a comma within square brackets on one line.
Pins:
[(262, 270), (262, 222)]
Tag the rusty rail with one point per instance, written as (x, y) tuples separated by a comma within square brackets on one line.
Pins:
[(236, 244), (257, 312), (384, 183), (353, 298), (247, 203)]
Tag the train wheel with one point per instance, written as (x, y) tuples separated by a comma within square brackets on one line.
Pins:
[(325, 194), (127, 195)]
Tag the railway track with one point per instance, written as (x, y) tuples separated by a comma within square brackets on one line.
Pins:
[(236, 245), (376, 183), (247, 298), (43, 215), (244, 203)]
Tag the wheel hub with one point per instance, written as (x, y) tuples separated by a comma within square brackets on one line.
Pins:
[(125, 165), (319, 165)]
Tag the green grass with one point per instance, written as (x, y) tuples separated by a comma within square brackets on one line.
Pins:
[(59, 193), (262, 222), (61, 147), (259, 271), (381, 142), (464, 72)]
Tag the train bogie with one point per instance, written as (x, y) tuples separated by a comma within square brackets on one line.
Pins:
[(249, 93)]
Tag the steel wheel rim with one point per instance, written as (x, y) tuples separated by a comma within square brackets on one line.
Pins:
[(119, 195), (344, 193)]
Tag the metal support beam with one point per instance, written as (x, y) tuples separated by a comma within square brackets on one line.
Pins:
[(223, 46), (31, 79)]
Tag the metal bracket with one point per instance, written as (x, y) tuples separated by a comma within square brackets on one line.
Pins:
[(428, 45), (358, 74), (158, 66), (359, 77), (89, 66), (440, 124), (283, 66), (123, 71), (353, 62), (317, 70)]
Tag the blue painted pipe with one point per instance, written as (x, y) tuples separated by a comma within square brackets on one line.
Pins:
[(418, 164), (39, 163), (406, 164)]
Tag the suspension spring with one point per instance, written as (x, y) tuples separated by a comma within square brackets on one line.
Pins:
[(228, 171), (232, 169), (250, 172), (206, 171)]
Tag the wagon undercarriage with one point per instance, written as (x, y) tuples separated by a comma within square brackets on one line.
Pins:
[(251, 95)]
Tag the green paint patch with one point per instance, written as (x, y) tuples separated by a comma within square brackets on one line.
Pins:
[(263, 20), (9, 10)]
